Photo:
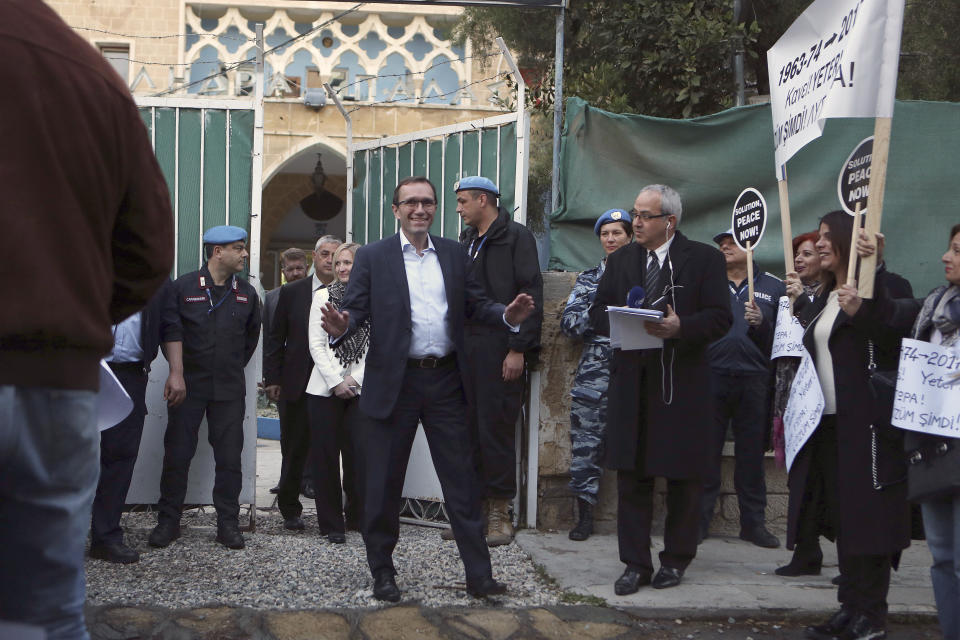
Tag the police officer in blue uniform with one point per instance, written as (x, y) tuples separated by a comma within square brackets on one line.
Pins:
[(215, 316), (742, 385), (588, 396)]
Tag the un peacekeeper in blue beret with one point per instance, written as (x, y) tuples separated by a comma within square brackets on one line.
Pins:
[(215, 320)]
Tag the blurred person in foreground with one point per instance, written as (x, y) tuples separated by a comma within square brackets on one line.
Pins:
[(88, 239), (588, 396)]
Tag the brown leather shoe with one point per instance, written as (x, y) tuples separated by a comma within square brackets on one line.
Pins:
[(499, 526)]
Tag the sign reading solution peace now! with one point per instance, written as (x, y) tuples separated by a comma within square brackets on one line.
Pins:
[(749, 218), (853, 185)]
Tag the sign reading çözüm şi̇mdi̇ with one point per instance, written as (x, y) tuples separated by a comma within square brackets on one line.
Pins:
[(804, 408), (788, 333), (928, 392), (749, 218), (837, 60), (853, 185)]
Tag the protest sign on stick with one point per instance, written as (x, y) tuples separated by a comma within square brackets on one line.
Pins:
[(788, 334), (804, 408), (748, 222), (928, 392), (853, 185)]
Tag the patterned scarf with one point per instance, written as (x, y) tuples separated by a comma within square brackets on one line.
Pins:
[(941, 309), (351, 349)]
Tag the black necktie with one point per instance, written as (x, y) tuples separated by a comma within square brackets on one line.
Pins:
[(653, 273)]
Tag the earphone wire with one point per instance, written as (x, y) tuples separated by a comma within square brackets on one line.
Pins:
[(668, 400)]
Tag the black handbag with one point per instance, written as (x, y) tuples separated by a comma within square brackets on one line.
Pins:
[(883, 385), (933, 466)]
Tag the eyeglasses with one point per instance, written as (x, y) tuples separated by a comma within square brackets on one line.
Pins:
[(413, 203), (647, 216)]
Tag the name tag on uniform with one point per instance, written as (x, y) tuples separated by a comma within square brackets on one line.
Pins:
[(195, 299), (242, 299)]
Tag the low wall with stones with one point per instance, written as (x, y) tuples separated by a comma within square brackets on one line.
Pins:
[(555, 502)]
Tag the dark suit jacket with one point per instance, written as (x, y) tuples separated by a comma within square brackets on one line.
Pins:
[(287, 359), (378, 291), (154, 330), (645, 433)]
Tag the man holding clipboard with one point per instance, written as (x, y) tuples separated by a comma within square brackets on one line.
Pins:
[(660, 409)]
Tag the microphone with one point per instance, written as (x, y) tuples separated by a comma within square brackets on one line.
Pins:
[(635, 297)]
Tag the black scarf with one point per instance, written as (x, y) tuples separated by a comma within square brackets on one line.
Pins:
[(351, 349)]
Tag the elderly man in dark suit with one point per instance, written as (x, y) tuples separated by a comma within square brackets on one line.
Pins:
[(660, 409), (415, 290)]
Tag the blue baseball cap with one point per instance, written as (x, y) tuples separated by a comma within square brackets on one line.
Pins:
[(224, 234), (477, 182), (723, 234), (612, 215)]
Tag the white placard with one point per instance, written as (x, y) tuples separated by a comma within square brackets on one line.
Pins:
[(788, 334), (804, 408), (113, 401), (626, 328), (837, 60), (928, 392)]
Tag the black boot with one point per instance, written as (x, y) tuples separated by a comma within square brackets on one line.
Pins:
[(806, 561), (585, 525)]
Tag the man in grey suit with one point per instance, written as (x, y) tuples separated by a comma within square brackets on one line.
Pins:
[(415, 290)]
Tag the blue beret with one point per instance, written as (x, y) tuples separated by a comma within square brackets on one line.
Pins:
[(477, 182), (613, 215), (224, 234), (720, 236)]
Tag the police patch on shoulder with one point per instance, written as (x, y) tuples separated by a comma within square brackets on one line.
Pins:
[(243, 299), (194, 298)]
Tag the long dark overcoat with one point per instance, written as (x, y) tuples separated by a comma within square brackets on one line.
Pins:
[(875, 522), (674, 433)]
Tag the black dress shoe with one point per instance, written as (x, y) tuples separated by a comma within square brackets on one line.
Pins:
[(336, 537), (760, 537), (307, 490), (836, 580), (832, 628), (385, 587), (667, 577), (229, 536), (486, 587), (275, 489), (163, 534), (863, 628), (798, 567), (631, 581), (114, 552), (294, 524)]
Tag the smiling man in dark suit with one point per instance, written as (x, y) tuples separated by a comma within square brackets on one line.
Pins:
[(415, 290), (659, 420)]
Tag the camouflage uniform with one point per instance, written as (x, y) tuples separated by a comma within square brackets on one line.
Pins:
[(588, 405)]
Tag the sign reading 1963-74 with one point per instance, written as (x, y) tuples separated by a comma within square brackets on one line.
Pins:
[(749, 218), (853, 185)]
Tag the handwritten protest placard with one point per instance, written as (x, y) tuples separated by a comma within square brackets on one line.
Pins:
[(788, 334), (928, 392), (804, 408)]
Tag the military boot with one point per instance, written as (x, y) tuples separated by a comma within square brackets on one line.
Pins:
[(499, 526), (584, 527)]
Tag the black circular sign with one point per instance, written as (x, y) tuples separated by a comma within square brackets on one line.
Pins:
[(749, 218), (854, 180)]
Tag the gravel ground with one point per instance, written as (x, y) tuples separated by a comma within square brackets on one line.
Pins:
[(283, 569)]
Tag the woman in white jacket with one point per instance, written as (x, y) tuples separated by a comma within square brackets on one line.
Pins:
[(333, 395)]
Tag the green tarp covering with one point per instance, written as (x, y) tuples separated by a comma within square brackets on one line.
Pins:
[(606, 158)]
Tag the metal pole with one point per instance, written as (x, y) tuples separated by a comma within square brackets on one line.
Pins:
[(349, 196), (557, 113), (738, 57)]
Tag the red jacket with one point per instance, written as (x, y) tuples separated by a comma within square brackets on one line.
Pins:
[(86, 229)]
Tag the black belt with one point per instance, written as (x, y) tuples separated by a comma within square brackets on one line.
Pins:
[(432, 362), (126, 366)]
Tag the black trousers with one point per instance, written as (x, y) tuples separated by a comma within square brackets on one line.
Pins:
[(742, 402), (494, 406), (435, 398), (225, 425), (294, 447), (635, 515), (333, 422), (864, 583), (294, 430), (119, 446)]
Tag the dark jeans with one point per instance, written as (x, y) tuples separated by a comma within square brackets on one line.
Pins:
[(742, 402), (225, 425), (294, 447), (333, 423), (635, 515), (119, 446), (435, 398), (494, 406)]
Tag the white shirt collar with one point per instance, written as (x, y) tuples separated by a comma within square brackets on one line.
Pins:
[(663, 250), (317, 284), (404, 243)]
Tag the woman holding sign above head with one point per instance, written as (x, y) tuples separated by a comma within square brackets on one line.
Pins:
[(850, 472)]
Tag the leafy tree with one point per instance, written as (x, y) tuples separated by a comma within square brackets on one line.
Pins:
[(930, 51)]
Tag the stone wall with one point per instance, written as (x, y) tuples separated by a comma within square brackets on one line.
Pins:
[(555, 502)]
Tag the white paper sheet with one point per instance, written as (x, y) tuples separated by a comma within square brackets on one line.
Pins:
[(626, 328), (113, 401)]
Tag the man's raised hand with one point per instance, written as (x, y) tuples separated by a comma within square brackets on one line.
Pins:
[(334, 322), (519, 310)]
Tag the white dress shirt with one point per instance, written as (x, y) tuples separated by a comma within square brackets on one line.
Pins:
[(662, 251), (327, 371), (126, 340), (428, 301)]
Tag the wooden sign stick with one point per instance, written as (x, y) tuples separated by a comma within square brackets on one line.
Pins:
[(876, 187), (785, 223), (750, 270), (852, 263)]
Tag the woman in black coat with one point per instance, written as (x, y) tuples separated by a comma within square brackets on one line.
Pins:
[(851, 470)]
